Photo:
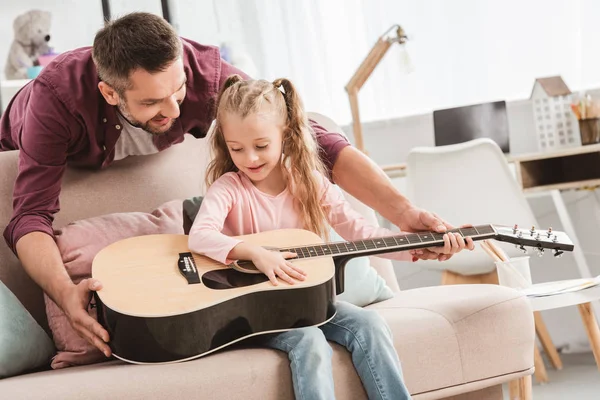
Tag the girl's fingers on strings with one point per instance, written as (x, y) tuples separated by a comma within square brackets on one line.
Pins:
[(288, 255)]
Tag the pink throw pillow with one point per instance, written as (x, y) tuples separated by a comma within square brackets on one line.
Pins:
[(79, 242)]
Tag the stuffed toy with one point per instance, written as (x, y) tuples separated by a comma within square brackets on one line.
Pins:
[(32, 34)]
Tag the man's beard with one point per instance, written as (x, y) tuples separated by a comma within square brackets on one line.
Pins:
[(122, 107)]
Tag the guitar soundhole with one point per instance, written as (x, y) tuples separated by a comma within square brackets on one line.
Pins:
[(220, 279)]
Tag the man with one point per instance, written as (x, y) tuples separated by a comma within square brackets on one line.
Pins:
[(136, 92)]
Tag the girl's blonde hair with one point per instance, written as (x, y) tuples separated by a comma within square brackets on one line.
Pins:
[(300, 149)]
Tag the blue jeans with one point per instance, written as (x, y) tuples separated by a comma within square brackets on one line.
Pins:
[(364, 333)]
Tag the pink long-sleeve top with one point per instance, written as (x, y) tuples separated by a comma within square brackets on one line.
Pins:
[(233, 206)]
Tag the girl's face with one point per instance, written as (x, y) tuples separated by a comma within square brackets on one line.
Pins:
[(255, 144)]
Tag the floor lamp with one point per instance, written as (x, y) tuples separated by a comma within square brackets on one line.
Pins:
[(393, 35)]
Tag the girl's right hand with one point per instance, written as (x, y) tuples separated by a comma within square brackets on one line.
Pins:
[(275, 264)]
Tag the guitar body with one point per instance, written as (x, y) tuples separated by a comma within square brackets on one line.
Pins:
[(155, 315)]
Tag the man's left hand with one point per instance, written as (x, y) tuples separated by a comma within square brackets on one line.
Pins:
[(415, 219)]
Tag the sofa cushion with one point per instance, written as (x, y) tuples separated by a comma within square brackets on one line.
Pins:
[(79, 242), (23, 343), (459, 334), (450, 340)]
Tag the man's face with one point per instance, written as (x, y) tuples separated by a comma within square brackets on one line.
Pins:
[(152, 102)]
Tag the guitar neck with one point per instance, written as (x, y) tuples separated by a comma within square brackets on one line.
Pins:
[(388, 244)]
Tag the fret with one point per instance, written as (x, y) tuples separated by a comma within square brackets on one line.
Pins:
[(468, 232), (379, 244), (300, 252), (438, 237), (360, 245), (312, 251), (333, 247), (401, 240), (369, 244), (389, 241), (413, 238), (319, 250), (351, 246), (485, 229), (338, 248), (426, 237)]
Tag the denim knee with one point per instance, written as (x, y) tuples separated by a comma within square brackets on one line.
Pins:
[(374, 323), (315, 338)]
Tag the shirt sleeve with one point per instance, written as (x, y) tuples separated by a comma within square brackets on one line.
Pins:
[(43, 146), (205, 235), (330, 146), (350, 224), (227, 70)]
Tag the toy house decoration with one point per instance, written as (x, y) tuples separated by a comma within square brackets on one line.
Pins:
[(555, 124)]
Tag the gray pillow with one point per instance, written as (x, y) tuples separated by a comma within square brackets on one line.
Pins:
[(23, 343), (192, 206)]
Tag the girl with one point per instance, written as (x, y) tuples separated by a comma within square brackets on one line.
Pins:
[(266, 175)]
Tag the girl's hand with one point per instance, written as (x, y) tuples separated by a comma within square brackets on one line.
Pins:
[(274, 264)]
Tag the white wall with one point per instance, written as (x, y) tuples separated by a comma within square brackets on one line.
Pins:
[(464, 51)]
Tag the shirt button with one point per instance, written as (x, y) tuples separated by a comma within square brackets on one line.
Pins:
[(103, 119), (118, 126)]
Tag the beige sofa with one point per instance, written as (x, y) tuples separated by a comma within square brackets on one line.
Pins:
[(458, 342)]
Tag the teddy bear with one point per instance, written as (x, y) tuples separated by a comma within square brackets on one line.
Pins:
[(32, 34)]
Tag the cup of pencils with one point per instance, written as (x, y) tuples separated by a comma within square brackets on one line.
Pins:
[(587, 112)]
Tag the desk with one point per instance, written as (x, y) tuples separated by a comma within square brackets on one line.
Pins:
[(573, 168)]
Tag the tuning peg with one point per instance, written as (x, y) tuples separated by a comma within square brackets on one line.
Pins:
[(522, 248), (532, 230), (537, 236), (520, 234), (558, 253), (515, 228), (555, 239), (549, 232), (540, 251)]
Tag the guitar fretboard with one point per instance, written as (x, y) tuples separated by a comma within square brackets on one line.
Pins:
[(397, 243)]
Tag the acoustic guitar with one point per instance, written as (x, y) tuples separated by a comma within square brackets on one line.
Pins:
[(162, 303)]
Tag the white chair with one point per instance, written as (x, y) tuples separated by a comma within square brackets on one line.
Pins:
[(467, 183), (472, 183)]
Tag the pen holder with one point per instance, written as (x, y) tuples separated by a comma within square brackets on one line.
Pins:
[(514, 273), (590, 130)]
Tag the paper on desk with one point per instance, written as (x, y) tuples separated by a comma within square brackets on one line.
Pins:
[(552, 288)]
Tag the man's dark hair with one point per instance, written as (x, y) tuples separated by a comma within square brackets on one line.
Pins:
[(136, 40)]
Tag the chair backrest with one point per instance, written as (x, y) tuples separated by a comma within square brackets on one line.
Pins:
[(470, 183)]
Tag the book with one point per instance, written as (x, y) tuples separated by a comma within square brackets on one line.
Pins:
[(558, 287)]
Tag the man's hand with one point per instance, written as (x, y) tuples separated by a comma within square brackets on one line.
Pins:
[(74, 303), (415, 219)]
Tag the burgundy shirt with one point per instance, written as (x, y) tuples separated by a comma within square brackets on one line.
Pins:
[(61, 118)]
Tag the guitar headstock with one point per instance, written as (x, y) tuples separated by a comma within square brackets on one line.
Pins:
[(557, 241)]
